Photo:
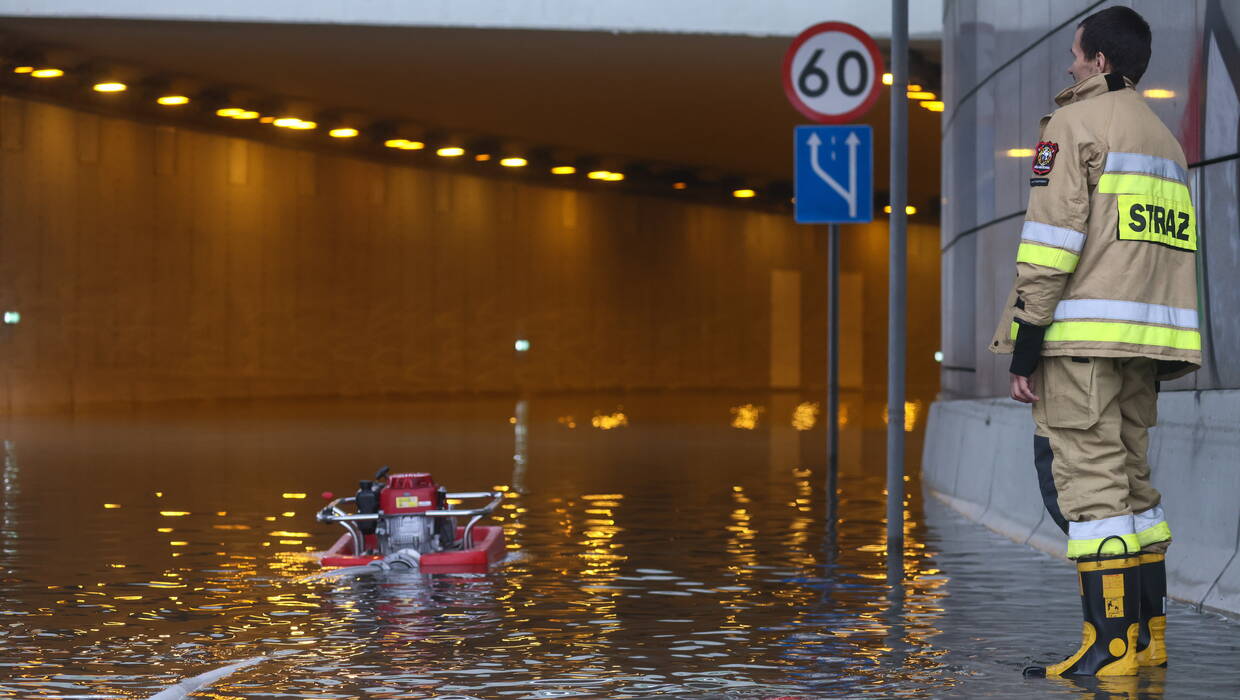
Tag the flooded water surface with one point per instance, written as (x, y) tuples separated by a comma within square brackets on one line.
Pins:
[(659, 546)]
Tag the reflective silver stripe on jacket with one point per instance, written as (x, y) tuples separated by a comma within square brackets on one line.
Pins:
[(1135, 311), (1065, 238), (1146, 165), (1148, 519), (1097, 529)]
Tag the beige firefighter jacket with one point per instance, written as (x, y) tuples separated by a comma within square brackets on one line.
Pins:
[(1107, 260)]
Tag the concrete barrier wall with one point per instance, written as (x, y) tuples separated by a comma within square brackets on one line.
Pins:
[(978, 458)]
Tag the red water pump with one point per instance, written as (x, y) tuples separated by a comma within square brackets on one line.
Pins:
[(402, 498), (410, 520), (410, 493)]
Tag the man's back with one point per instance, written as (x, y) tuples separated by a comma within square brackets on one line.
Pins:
[(1108, 264)]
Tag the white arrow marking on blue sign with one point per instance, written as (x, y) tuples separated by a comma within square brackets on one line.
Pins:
[(849, 195)]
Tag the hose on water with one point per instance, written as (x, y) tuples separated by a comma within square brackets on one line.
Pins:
[(202, 680), (401, 561), (183, 688)]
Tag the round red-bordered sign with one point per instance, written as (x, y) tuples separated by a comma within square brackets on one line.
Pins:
[(833, 73)]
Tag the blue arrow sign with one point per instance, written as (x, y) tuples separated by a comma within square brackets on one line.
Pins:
[(834, 174)]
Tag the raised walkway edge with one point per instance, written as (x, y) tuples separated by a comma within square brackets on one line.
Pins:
[(978, 459)]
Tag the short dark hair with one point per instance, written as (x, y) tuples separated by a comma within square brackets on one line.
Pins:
[(1122, 35)]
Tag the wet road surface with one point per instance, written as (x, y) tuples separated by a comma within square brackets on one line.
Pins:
[(660, 546)]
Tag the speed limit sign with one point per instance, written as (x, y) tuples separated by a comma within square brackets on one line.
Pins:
[(833, 73)]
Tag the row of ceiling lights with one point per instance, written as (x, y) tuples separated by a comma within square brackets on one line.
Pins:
[(925, 98), (928, 100), (346, 132)]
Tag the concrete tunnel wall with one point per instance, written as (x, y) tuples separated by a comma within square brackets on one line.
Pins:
[(156, 263), (1003, 62)]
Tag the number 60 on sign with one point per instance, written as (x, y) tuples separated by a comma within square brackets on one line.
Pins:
[(833, 72)]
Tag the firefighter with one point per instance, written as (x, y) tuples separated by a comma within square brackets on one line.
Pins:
[(1104, 306)]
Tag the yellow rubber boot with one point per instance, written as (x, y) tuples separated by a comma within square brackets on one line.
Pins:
[(1151, 636), (1110, 603)]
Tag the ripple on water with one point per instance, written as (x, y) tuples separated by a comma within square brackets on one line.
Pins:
[(673, 557)]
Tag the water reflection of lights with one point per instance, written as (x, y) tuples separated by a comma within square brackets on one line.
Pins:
[(805, 415), (9, 483), (599, 549), (912, 411), (508, 516), (745, 416), (610, 421), (740, 544), (566, 608), (520, 444)]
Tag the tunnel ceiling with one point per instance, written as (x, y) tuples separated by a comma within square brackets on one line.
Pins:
[(705, 101)]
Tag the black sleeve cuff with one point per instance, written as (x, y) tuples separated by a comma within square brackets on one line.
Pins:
[(1028, 348)]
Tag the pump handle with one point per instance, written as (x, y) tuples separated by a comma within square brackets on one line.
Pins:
[(383, 471)]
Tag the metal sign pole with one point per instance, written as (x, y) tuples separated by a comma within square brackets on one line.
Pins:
[(897, 292), (833, 363), (833, 74)]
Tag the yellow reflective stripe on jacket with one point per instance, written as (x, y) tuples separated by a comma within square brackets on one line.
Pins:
[(1093, 547), (1159, 533), (1130, 333), (1151, 526), (1156, 187), (1086, 538), (1057, 258)]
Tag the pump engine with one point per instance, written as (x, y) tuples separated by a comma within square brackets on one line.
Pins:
[(409, 520), (401, 500)]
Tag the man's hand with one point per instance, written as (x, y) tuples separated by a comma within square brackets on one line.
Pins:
[(1022, 389)]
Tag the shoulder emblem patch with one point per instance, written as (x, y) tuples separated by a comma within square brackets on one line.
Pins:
[(1044, 157)]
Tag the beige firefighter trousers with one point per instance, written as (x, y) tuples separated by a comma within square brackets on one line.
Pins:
[(1096, 412)]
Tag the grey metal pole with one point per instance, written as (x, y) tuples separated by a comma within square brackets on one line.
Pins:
[(833, 366), (897, 291)]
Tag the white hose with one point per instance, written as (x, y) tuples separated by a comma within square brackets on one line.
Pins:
[(399, 561), (202, 680)]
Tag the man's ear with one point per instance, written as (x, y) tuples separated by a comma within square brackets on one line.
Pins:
[(1100, 60)]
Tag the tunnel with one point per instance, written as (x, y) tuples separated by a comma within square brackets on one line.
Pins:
[(529, 271)]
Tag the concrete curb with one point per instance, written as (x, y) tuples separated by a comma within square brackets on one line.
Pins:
[(978, 458)]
